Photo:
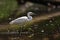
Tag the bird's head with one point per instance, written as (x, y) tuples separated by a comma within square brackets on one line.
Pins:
[(30, 13)]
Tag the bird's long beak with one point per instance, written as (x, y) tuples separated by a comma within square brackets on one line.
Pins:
[(34, 14)]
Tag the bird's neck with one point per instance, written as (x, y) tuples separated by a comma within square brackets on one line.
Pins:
[(30, 17)]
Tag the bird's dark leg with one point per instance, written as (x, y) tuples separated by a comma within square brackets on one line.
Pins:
[(20, 31)]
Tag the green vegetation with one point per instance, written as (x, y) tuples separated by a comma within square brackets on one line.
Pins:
[(6, 8)]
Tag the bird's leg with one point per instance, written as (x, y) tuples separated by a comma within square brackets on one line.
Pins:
[(20, 30)]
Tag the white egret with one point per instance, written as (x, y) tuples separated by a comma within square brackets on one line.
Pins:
[(23, 19)]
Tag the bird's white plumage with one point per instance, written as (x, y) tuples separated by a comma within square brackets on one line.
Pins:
[(19, 20), (22, 20)]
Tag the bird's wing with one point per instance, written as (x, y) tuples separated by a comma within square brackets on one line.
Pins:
[(20, 20), (24, 17)]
